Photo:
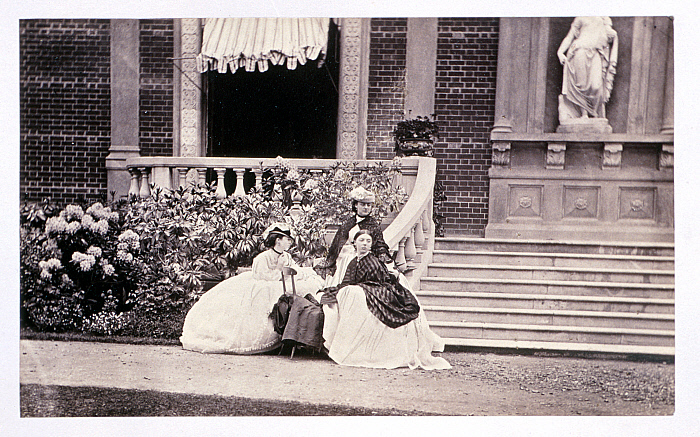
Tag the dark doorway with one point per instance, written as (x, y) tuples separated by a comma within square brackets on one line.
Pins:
[(281, 112)]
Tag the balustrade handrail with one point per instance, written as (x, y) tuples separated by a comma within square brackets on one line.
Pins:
[(417, 212)]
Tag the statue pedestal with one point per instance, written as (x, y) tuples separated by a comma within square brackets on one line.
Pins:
[(585, 125)]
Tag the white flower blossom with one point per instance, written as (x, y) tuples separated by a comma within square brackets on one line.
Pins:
[(50, 265), (87, 220), (66, 280), (108, 269), (311, 184), (73, 227), (94, 251), (123, 246), (341, 175), (101, 227), (98, 211), (45, 275), (72, 212), (293, 174), (56, 225), (124, 256), (128, 236)]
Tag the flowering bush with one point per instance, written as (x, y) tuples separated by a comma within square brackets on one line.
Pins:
[(107, 321), (73, 264)]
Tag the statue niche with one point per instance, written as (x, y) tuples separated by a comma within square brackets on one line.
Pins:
[(589, 56)]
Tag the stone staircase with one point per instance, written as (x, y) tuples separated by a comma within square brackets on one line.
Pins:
[(552, 295)]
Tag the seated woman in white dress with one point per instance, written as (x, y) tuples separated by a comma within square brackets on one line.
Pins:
[(379, 322), (233, 317)]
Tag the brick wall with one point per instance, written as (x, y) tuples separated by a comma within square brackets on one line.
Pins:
[(465, 96), (387, 67), (64, 109), (156, 87)]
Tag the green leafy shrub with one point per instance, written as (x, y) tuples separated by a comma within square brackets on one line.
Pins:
[(73, 263)]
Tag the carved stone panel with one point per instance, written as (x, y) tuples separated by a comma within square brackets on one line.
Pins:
[(525, 201), (638, 203), (348, 128), (581, 202), (190, 89)]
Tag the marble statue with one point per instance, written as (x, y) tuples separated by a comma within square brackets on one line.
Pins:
[(589, 56)]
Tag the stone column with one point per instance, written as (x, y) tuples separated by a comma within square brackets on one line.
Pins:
[(190, 89), (353, 88), (523, 46), (124, 88), (667, 124), (504, 119), (421, 59)]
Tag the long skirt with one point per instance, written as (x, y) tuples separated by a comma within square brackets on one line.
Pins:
[(360, 339), (233, 317)]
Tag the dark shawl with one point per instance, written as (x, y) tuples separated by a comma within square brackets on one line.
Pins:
[(387, 299)]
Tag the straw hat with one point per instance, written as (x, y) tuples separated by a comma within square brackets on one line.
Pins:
[(278, 228), (360, 194)]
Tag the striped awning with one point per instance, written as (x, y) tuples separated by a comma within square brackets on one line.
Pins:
[(233, 43)]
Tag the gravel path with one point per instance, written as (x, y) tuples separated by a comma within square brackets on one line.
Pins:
[(478, 384)]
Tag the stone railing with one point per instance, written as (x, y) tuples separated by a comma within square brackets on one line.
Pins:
[(410, 233)]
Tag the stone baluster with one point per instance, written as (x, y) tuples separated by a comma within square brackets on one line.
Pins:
[(239, 191), (258, 172), (220, 189), (425, 221), (182, 177), (145, 191), (411, 251), (134, 185), (401, 255), (295, 211), (202, 176), (418, 234)]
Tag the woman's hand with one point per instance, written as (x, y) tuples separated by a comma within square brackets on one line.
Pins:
[(283, 260), (392, 270)]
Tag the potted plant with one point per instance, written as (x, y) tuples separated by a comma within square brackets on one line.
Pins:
[(415, 136)]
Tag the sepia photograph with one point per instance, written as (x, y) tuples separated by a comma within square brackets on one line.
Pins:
[(248, 216)]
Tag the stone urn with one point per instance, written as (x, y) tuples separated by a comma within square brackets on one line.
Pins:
[(414, 147)]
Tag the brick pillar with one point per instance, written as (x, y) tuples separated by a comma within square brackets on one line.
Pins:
[(124, 76)]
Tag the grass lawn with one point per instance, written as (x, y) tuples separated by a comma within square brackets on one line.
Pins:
[(60, 401)]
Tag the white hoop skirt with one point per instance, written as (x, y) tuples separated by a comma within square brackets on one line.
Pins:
[(233, 317), (361, 339)]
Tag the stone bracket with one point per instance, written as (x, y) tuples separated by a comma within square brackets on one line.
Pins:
[(666, 157), (501, 153), (612, 156), (556, 153)]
